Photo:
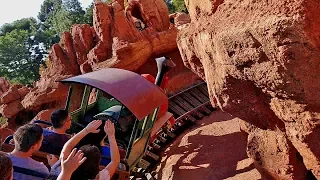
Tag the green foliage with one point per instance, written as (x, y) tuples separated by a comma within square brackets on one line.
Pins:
[(180, 6), (3, 122), (61, 15), (48, 8), (24, 44), (28, 24), (61, 22), (20, 56), (74, 11), (176, 6), (170, 6), (88, 16)]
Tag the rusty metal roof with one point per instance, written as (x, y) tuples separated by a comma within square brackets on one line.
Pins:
[(135, 92)]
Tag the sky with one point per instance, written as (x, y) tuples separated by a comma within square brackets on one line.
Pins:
[(11, 10)]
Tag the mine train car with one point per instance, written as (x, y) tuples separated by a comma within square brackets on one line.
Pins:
[(137, 107)]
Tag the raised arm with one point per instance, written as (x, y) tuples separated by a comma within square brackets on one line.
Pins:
[(92, 127), (115, 155), (70, 164)]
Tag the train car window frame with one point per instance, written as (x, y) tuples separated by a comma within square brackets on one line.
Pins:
[(151, 119), (142, 125)]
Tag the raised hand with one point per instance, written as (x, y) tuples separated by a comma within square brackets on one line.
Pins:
[(93, 126), (109, 128), (73, 161)]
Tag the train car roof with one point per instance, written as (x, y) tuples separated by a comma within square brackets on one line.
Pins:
[(135, 92)]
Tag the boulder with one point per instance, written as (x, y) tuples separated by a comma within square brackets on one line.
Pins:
[(129, 56), (102, 20), (67, 45), (82, 42), (179, 19), (44, 115), (11, 109), (154, 13), (23, 91), (261, 61), (274, 155), (10, 95), (4, 85)]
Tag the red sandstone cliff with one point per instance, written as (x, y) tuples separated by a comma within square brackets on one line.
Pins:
[(261, 62)]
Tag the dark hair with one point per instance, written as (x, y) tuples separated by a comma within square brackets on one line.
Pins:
[(26, 136), (90, 168), (58, 118), (5, 166)]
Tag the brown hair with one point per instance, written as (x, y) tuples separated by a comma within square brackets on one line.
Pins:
[(90, 168), (5, 166), (26, 136)]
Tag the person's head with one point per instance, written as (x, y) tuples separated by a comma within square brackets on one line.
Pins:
[(60, 119), (6, 169), (90, 168), (28, 138)]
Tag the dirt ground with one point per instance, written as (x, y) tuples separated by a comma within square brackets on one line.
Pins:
[(213, 149)]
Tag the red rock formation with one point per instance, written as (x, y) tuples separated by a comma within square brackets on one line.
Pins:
[(272, 151), (4, 85), (82, 41), (11, 109), (10, 104), (67, 44), (44, 115), (10, 95), (261, 62), (23, 91), (179, 19), (121, 44), (4, 133)]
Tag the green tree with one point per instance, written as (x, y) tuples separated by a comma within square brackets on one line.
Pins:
[(20, 57), (48, 9), (24, 44), (62, 14), (170, 6), (179, 6), (47, 33), (29, 24), (70, 13), (176, 6), (75, 11), (88, 16)]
